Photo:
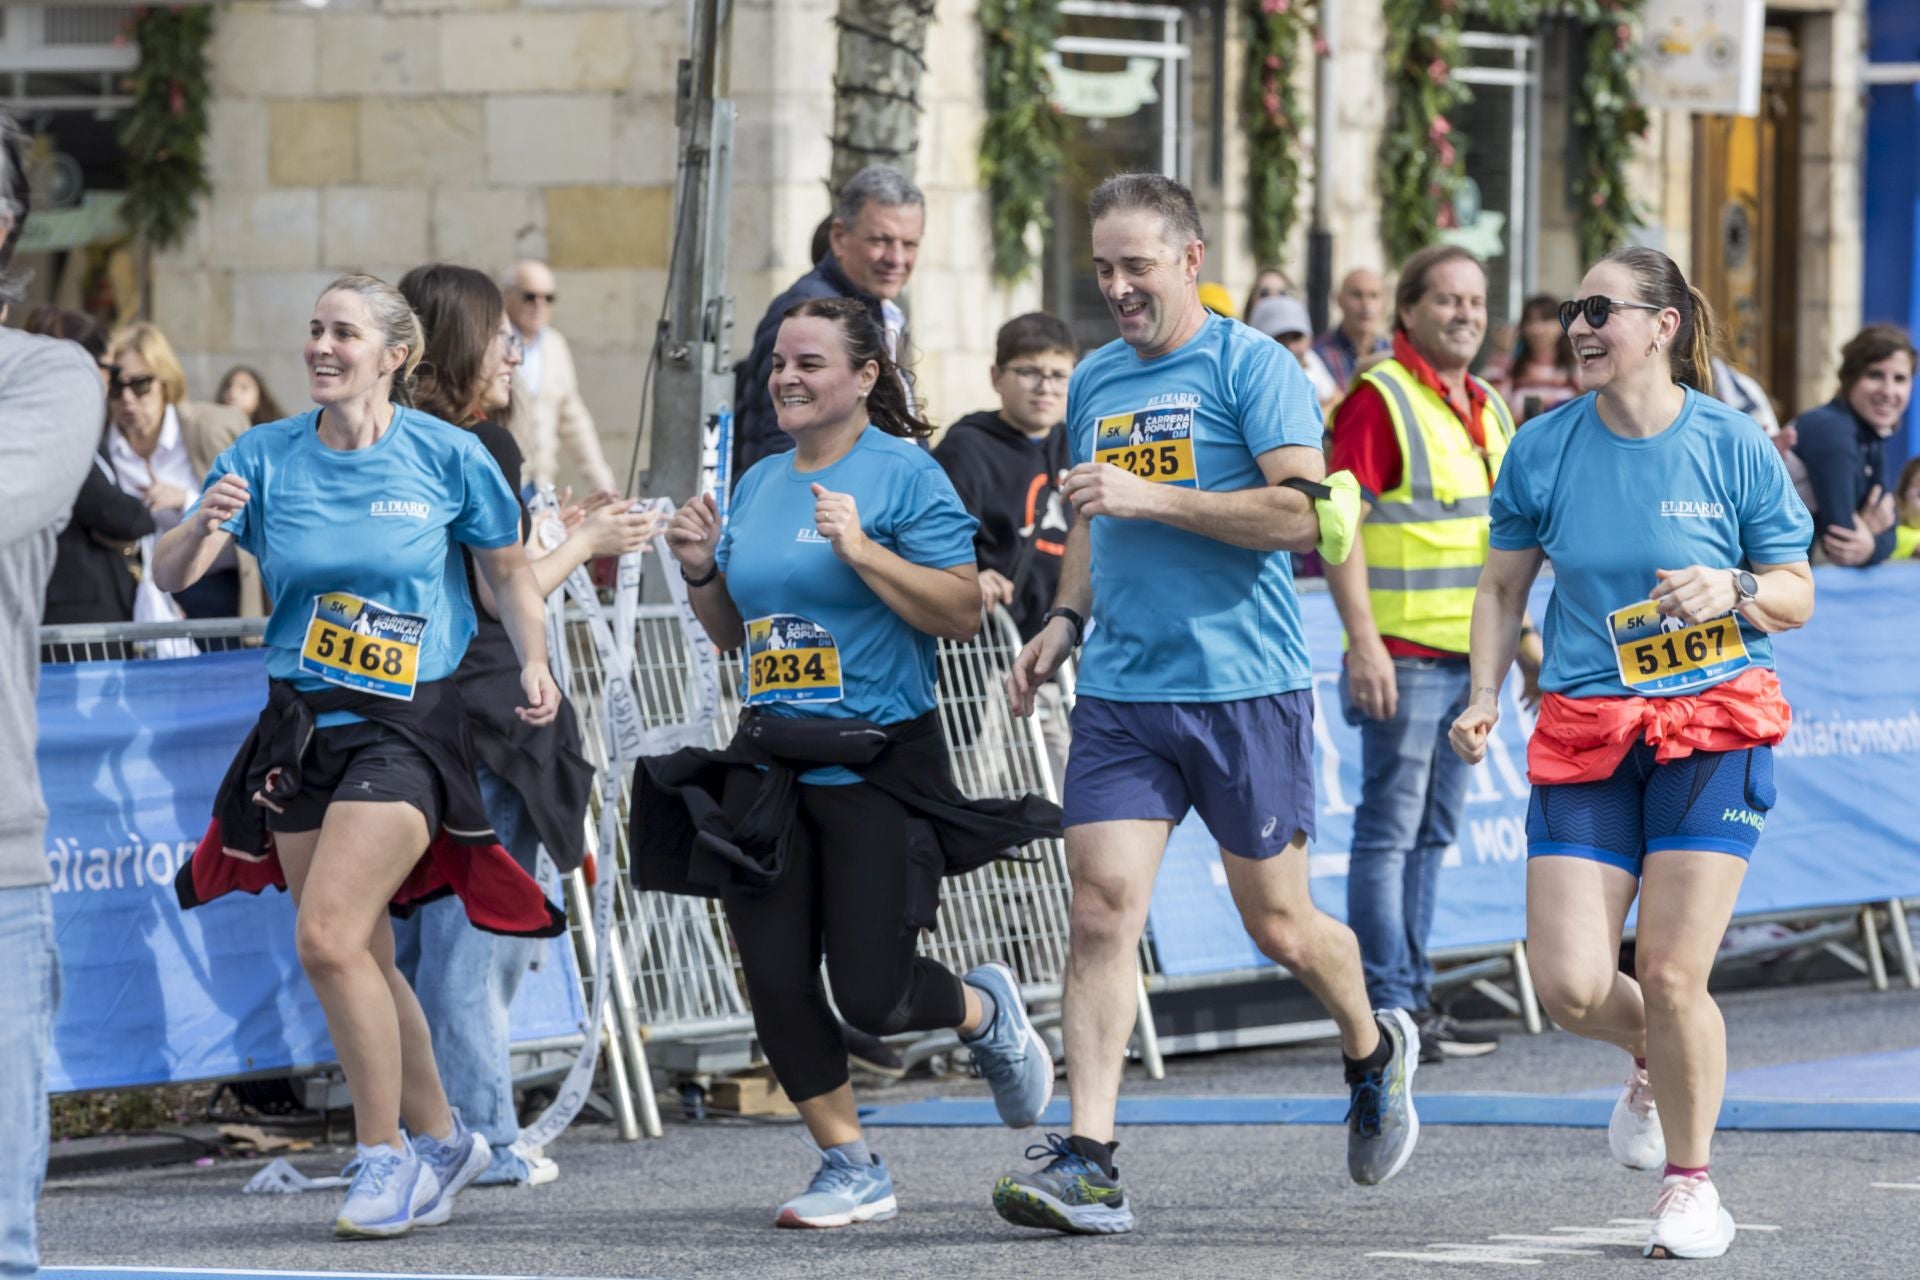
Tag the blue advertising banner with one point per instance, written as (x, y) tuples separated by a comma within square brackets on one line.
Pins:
[(130, 756), (1841, 832)]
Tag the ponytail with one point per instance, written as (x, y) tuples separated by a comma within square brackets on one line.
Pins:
[(1658, 278), (889, 406), (1693, 367)]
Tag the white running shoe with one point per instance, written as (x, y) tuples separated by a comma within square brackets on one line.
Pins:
[(1633, 1135), (1689, 1221)]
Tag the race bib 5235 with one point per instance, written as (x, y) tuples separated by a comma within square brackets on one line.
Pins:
[(1660, 655), (361, 644), (1154, 444), (791, 659)]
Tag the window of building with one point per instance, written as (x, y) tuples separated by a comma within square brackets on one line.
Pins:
[(1498, 210), (1122, 79)]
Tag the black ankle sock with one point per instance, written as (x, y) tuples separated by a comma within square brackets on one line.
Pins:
[(1359, 1069), (1101, 1153)]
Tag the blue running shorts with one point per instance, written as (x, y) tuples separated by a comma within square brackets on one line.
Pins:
[(1711, 800), (1246, 765)]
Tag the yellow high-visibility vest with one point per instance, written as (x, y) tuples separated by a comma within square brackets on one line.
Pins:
[(1426, 538), (1906, 542)]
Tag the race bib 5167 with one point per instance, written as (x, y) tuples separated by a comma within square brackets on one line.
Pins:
[(791, 659), (1154, 444), (362, 644), (1660, 656)]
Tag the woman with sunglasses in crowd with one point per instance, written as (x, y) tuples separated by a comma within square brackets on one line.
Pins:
[(1678, 546), (160, 445), (356, 788), (533, 778)]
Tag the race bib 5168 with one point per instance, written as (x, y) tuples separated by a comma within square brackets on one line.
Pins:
[(1659, 655), (791, 659), (1154, 444), (362, 644)]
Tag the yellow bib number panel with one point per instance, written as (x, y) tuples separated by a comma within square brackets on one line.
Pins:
[(360, 644), (791, 659), (1660, 656), (1154, 444)]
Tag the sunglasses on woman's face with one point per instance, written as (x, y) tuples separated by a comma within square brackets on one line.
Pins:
[(118, 386), (1597, 309)]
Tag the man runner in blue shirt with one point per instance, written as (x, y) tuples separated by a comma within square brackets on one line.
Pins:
[(1195, 687)]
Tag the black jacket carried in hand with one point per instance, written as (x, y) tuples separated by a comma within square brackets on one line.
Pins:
[(705, 820), (1010, 483), (756, 432), (93, 575)]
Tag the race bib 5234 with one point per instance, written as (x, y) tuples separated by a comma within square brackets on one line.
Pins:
[(791, 659), (362, 644)]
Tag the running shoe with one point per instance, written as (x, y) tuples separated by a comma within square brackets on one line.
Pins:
[(463, 1157), (1009, 1052), (1382, 1126), (1688, 1220), (389, 1187), (1073, 1193), (514, 1166), (1633, 1134), (841, 1194), (1442, 1037), (872, 1054)]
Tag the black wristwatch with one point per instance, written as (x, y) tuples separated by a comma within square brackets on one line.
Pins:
[(700, 582), (1746, 587), (1072, 616)]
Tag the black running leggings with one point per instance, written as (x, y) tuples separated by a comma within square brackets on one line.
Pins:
[(859, 885)]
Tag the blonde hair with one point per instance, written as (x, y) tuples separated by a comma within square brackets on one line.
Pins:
[(145, 340), (398, 325)]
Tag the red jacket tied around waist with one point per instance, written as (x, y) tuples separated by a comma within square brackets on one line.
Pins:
[(1585, 739)]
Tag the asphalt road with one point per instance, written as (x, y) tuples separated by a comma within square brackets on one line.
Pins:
[(1228, 1201)]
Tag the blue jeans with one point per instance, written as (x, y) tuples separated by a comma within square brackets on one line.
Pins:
[(29, 991), (466, 978), (1411, 793)]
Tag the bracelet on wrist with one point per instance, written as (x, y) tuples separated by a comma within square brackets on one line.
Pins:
[(713, 572)]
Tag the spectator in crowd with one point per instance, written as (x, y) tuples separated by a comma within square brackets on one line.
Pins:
[(1362, 329), (548, 410), (1843, 445), (47, 386), (1006, 466), (1284, 319), (1425, 439), (244, 389), (1906, 534), (1738, 390), (160, 445), (534, 782), (873, 243), (1215, 298), (1269, 283), (1539, 373), (93, 578)]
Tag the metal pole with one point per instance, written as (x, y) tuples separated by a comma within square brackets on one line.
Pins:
[(1320, 235)]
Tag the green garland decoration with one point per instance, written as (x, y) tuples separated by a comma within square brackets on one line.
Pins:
[(1421, 165), (1270, 119), (164, 133), (1022, 146)]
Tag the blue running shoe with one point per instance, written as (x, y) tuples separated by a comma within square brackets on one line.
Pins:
[(389, 1188), (455, 1162), (1009, 1052), (1072, 1194), (841, 1194), (1382, 1126)]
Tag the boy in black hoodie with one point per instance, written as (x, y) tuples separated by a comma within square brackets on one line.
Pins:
[(1007, 465)]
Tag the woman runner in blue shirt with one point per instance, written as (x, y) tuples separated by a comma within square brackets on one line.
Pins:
[(1678, 545), (840, 563), (353, 510)]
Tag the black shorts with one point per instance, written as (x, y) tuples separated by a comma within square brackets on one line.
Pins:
[(361, 761)]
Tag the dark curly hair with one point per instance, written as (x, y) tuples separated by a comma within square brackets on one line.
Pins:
[(887, 404)]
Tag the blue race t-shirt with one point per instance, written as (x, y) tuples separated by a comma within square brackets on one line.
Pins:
[(1179, 617), (375, 525), (819, 641), (1608, 511)]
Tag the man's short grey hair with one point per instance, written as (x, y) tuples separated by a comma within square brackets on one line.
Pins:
[(1154, 193), (13, 200), (875, 184)]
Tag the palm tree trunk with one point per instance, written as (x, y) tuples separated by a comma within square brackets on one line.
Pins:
[(876, 90)]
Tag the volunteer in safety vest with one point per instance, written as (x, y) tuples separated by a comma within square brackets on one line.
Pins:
[(841, 562), (362, 760), (1424, 437), (1678, 546)]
